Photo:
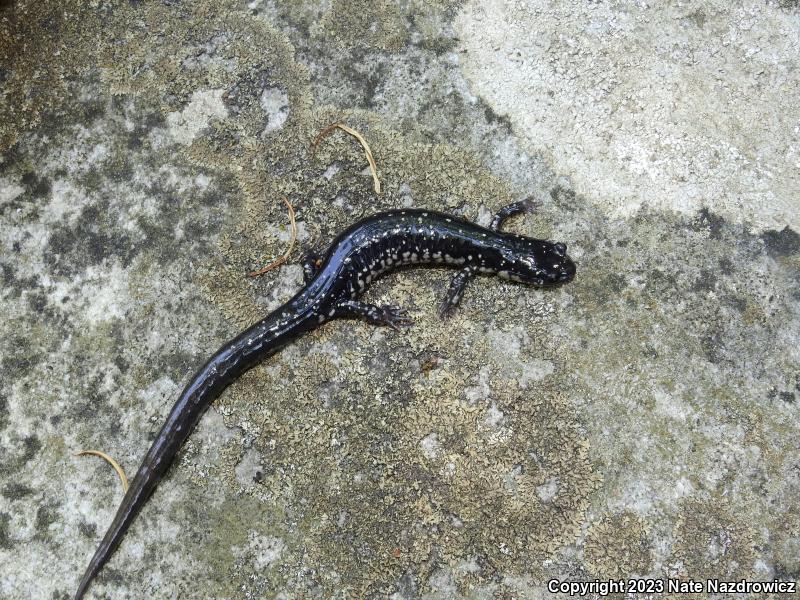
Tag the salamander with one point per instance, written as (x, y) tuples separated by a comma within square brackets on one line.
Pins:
[(334, 281)]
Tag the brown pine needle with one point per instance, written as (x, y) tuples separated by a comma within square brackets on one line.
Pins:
[(372, 166), (122, 477), (324, 133), (281, 259)]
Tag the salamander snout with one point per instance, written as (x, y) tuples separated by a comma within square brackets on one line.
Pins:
[(567, 268), (558, 266)]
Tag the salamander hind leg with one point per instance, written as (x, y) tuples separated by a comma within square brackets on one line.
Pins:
[(391, 316), (456, 291), (509, 211)]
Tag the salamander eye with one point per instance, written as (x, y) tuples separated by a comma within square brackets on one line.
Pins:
[(561, 249)]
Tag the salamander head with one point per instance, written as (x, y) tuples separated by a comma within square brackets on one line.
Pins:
[(537, 262)]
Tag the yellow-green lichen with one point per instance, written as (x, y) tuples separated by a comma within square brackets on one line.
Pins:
[(344, 439), (42, 46), (618, 546), (375, 24)]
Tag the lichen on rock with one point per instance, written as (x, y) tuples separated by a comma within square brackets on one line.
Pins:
[(641, 420)]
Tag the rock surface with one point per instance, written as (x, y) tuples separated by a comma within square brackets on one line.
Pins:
[(641, 421)]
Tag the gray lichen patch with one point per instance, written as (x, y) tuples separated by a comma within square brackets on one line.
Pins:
[(701, 334), (649, 105), (91, 291), (715, 542)]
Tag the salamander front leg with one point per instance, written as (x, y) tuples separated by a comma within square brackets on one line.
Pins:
[(465, 275), (392, 316), (508, 211), (311, 262), (457, 286)]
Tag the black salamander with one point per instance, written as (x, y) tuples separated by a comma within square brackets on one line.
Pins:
[(334, 281)]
